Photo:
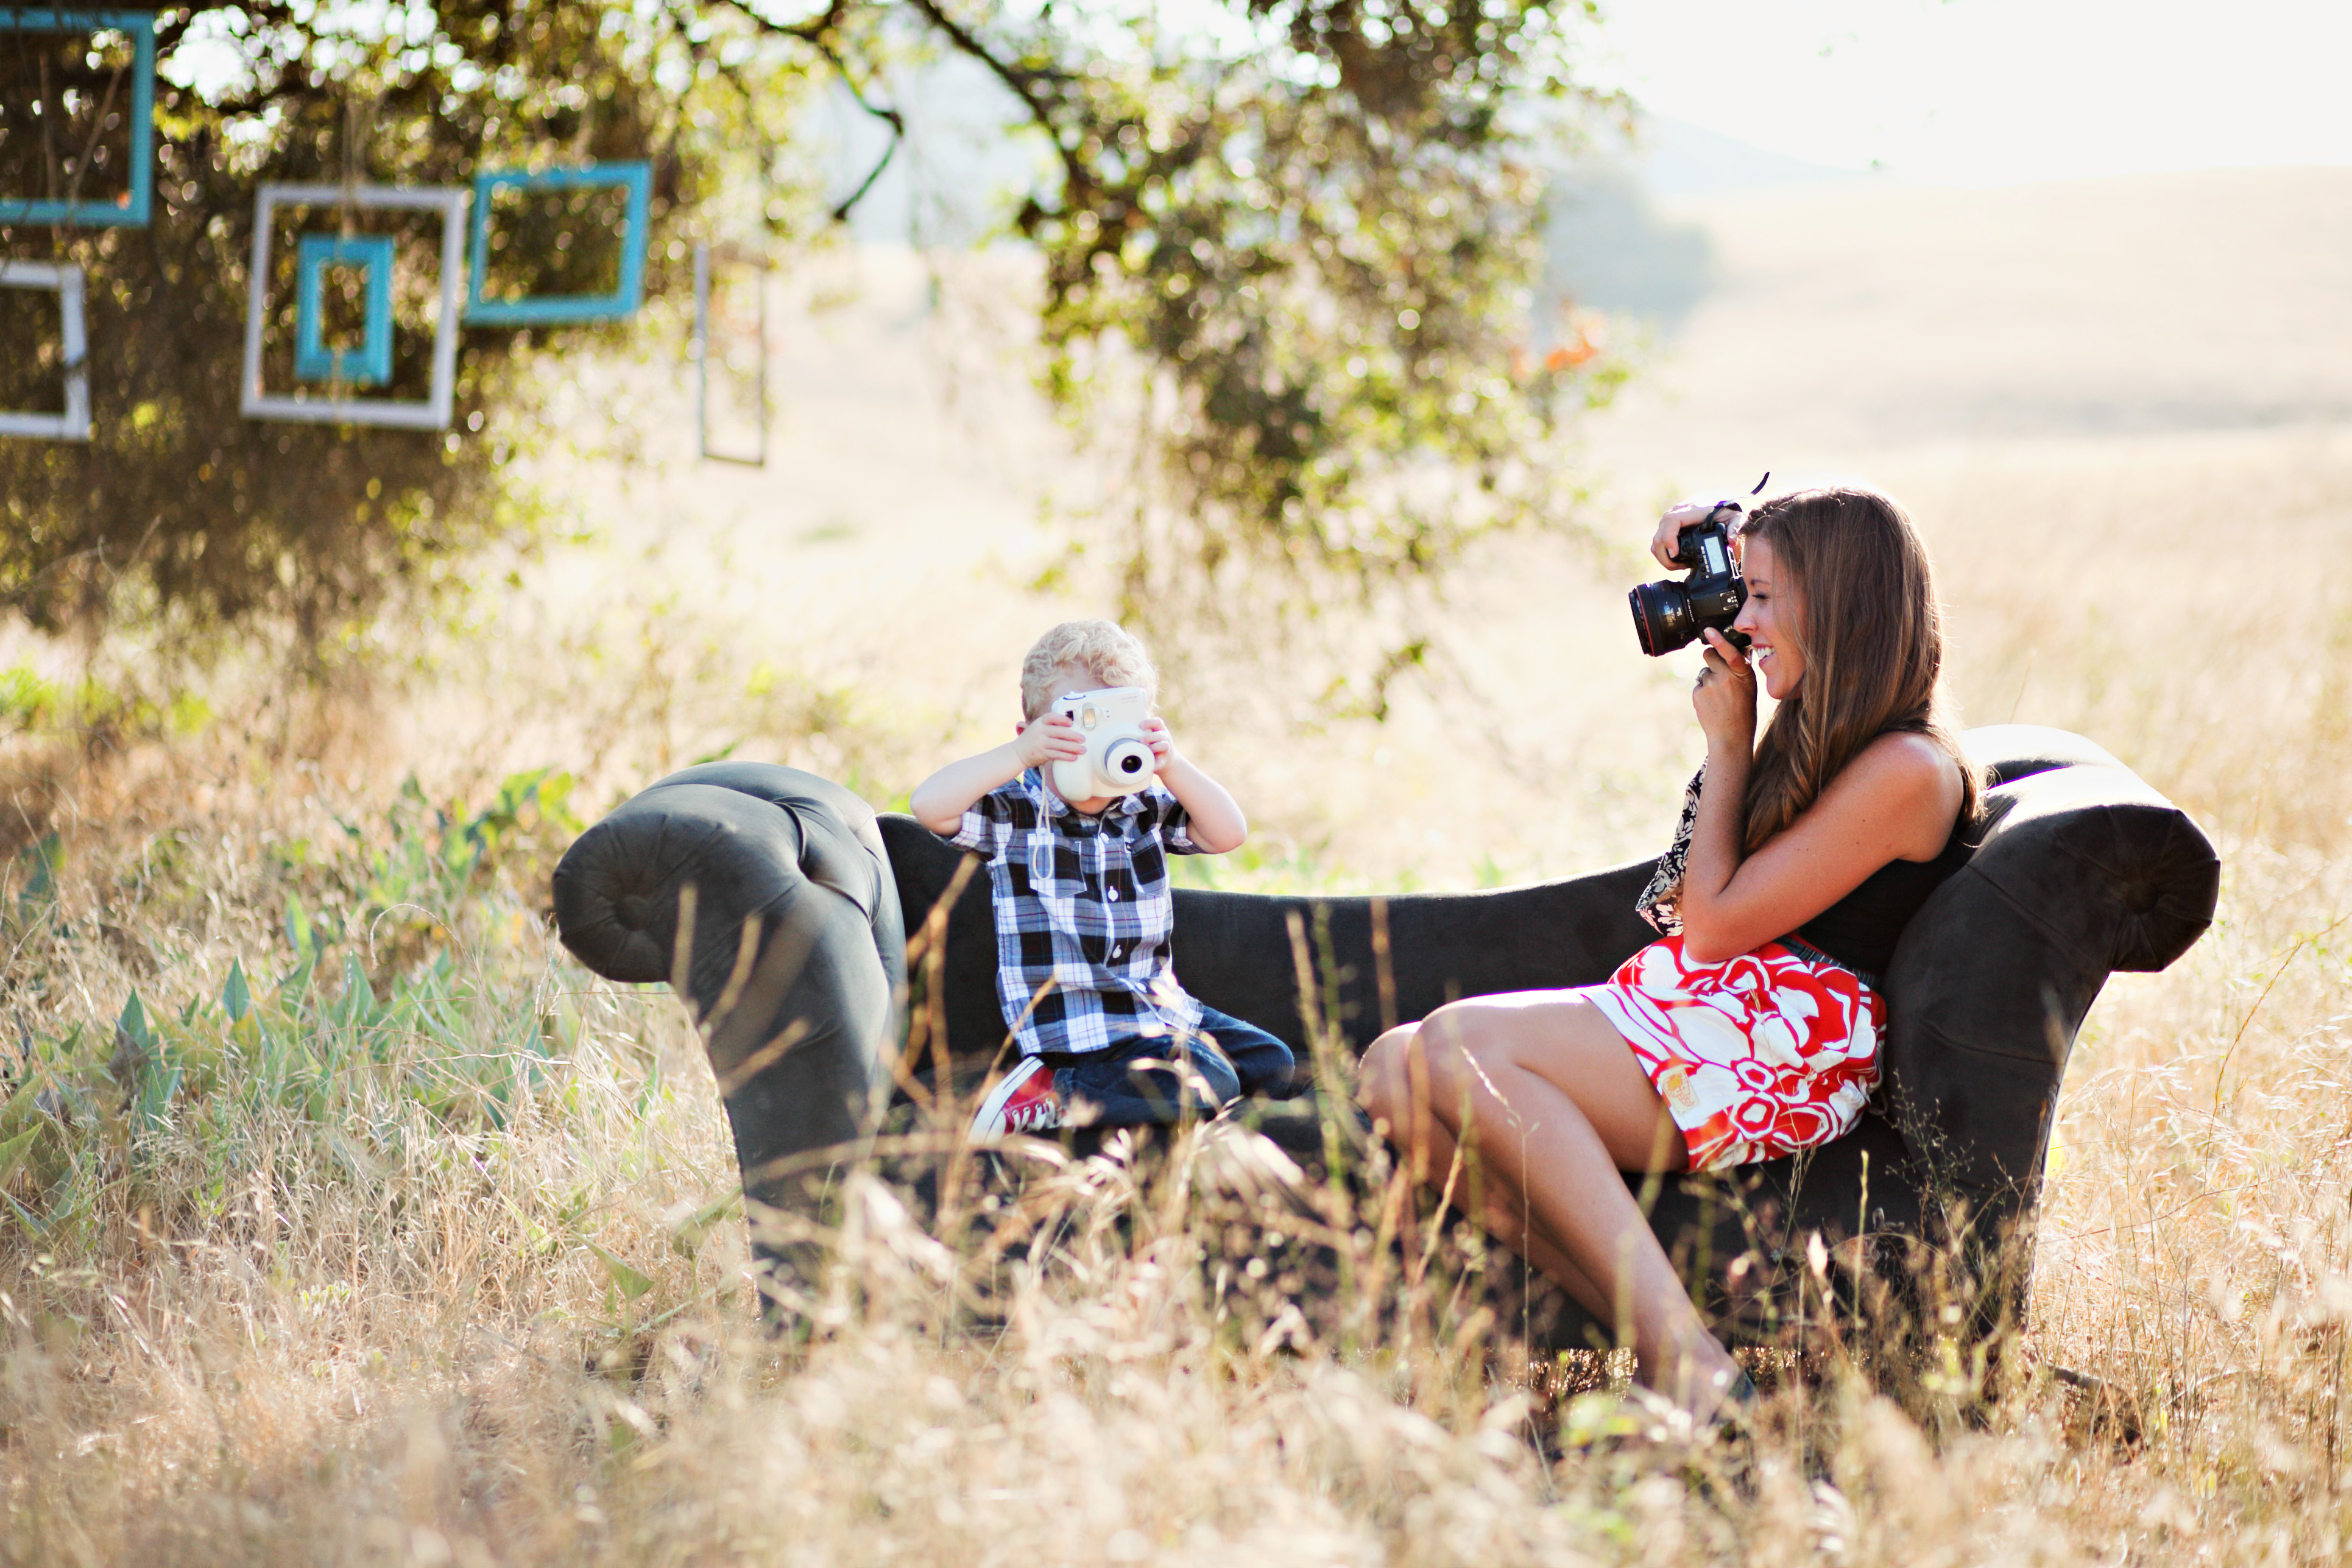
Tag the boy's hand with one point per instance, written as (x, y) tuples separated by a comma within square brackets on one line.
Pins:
[(1048, 739), (1216, 822)]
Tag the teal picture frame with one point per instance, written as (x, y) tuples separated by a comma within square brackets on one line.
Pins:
[(132, 209), (636, 178), (370, 364)]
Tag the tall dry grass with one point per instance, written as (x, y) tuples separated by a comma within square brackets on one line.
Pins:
[(377, 1231)]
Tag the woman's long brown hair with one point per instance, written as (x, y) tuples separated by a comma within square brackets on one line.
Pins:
[(1872, 637)]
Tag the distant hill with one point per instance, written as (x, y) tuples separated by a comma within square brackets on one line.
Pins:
[(955, 173), (1616, 243), (1675, 158), (1864, 315)]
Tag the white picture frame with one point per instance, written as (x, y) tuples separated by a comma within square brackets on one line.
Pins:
[(64, 282), (704, 255), (434, 412)]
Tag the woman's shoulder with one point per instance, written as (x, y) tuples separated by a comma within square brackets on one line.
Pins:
[(1911, 774), (1908, 757)]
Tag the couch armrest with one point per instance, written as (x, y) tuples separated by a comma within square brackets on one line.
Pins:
[(2081, 870), (801, 1026)]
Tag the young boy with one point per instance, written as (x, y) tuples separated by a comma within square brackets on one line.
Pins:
[(1085, 914)]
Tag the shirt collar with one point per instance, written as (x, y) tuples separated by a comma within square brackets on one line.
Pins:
[(1034, 781)]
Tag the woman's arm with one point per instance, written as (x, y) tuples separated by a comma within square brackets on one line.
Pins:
[(1895, 801)]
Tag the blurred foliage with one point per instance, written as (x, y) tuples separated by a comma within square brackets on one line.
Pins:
[(406, 976), (181, 505), (1316, 242), (1288, 247)]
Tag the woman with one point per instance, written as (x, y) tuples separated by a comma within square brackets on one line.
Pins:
[(1751, 1029)]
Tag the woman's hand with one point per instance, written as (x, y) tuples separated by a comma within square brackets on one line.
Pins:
[(1681, 515), (1725, 697)]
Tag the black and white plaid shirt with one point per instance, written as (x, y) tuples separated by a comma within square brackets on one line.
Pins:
[(1083, 902)]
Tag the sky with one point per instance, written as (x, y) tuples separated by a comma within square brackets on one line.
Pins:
[(1988, 93)]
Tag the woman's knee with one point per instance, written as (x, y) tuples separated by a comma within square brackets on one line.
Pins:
[(1419, 1063), (1470, 1028), (1384, 1082)]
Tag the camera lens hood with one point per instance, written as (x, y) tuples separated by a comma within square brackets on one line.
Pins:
[(1662, 618)]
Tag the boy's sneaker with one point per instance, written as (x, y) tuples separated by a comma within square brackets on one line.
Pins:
[(1024, 1101)]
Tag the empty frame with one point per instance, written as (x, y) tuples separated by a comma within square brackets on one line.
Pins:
[(335, 407), (635, 180), (73, 423), (129, 209)]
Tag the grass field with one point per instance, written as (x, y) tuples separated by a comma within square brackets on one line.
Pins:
[(349, 1221)]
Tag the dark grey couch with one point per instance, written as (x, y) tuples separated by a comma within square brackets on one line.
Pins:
[(2080, 870)]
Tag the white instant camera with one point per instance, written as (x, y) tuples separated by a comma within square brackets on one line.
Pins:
[(1118, 759)]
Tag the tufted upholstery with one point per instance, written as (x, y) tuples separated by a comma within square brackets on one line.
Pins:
[(2080, 869)]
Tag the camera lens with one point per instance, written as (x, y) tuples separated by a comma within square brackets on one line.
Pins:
[(1662, 618), (1129, 762)]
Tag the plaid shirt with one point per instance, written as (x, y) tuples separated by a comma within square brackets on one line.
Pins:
[(1084, 902)]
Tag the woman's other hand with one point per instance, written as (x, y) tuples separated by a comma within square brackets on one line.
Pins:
[(1725, 697), (1681, 515)]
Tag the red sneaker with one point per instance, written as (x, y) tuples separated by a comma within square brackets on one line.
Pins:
[(1024, 1101)]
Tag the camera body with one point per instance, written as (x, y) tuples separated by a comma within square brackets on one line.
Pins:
[(1671, 614), (1117, 759)]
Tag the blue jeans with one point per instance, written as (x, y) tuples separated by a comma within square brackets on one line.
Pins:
[(1153, 1082)]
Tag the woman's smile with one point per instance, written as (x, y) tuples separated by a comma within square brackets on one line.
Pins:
[(1769, 602)]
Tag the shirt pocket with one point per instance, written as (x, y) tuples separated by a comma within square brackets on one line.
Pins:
[(1057, 869)]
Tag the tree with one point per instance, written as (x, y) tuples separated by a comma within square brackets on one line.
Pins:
[(1291, 242)]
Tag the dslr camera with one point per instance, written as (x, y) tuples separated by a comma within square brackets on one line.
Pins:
[(1118, 760), (1671, 614)]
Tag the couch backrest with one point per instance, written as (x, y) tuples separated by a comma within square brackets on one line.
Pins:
[(1235, 951)]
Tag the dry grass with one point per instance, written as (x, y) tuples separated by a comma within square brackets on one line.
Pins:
[(425, 1255)]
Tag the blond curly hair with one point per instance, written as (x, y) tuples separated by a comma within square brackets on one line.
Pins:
[(1107, 652)]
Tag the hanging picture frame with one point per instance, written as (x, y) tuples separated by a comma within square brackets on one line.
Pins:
[(430, 413), (634, 180), (711, 341), (370, 256), (73, 422), (132, 207)]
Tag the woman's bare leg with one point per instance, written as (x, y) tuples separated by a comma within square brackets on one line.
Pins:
[(1426, 1148), (1559, 1108)]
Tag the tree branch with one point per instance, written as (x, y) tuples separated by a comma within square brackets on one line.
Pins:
[(1019, 80), (816, 33)]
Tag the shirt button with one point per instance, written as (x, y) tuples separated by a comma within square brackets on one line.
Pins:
[(1112, 895)]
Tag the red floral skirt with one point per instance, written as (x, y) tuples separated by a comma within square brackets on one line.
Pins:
[(1756, 1058)]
